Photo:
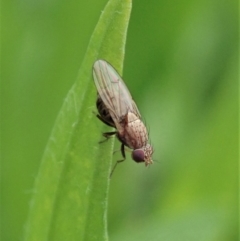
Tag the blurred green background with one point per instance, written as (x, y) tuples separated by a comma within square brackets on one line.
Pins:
[(181, 66)]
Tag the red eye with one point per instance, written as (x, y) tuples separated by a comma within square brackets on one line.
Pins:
[(138, 155)]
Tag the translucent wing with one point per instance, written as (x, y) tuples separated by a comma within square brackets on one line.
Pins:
[(113, 92)]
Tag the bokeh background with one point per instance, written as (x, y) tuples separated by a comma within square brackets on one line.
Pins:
[(181, 66)]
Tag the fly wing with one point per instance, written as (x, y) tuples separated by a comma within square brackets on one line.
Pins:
[(113, 92)]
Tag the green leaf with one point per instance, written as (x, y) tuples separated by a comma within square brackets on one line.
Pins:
[(71, 190)]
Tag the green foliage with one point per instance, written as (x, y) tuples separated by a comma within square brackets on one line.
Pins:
[(71, 189), (181, 67), (72, 185)]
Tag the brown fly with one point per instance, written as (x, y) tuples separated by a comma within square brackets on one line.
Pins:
[(117, 109)]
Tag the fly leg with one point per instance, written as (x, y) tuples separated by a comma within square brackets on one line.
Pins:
[(107, 135), (119, 161), (104, 121)]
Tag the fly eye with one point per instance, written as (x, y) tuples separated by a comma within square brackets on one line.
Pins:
[(138, 155)]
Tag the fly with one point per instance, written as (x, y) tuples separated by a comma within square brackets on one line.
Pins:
[(117, 109)]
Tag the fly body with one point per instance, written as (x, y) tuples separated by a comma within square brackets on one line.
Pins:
[(116, 108)]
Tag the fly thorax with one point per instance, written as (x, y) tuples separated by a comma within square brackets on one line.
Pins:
[(135, 133), (130, 117)]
